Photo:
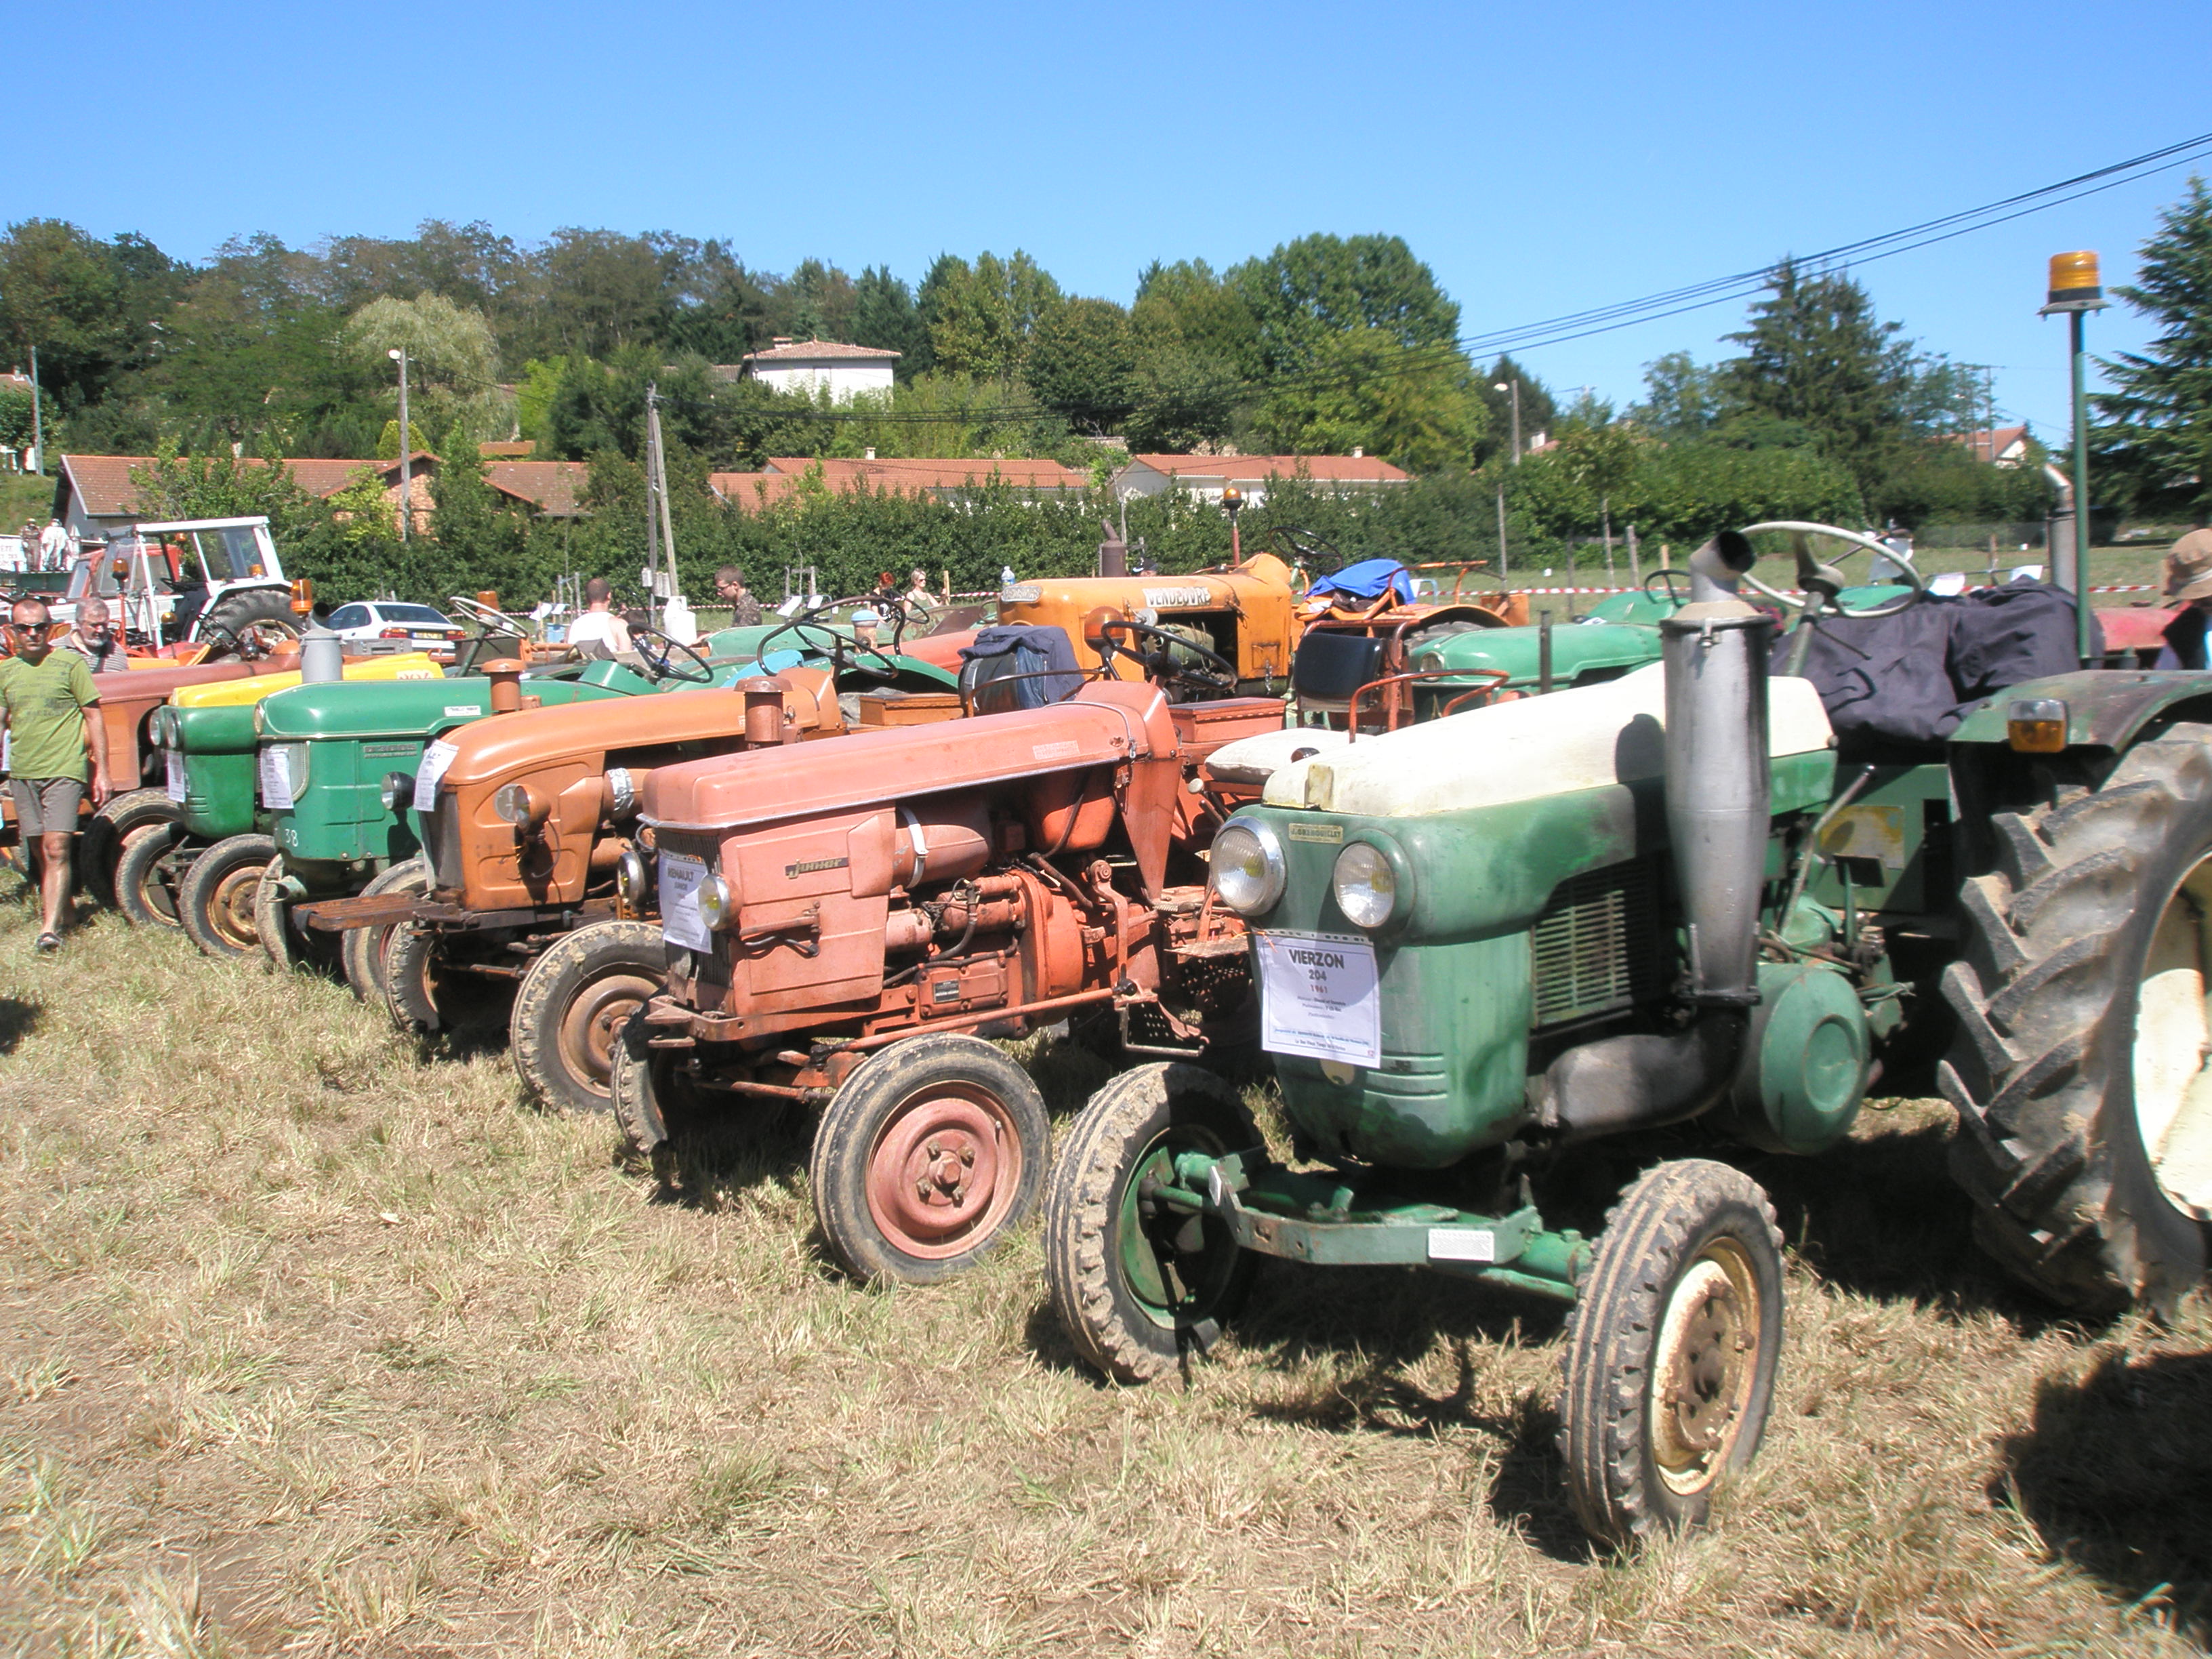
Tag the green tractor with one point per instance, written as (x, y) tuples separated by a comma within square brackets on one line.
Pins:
[(1488, 940)]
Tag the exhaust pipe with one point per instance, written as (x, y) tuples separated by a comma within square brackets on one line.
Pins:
[(1716, 567), (1719, 790)]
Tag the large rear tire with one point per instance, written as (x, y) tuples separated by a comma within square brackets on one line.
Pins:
[(150, 874), (1134, 1284), (263, 613), (1671, 1350), (928, 1156), (361, 954), (219, 893), (2080, 1072), (573, 1004)]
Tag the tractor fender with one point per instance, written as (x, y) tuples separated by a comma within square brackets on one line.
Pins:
[(2104, 709)]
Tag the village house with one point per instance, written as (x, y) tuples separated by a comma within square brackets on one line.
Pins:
[(813, 367)]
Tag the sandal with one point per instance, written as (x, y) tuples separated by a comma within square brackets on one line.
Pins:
[(49, 943)]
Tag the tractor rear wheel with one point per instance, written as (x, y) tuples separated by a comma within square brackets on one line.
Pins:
[(1671, 1350), (571, 1006), (928, 1156), (264, 613), (1134, 1282), (151, 872), (217, 899), (108, 832), (2080, 1072), (361, 954)]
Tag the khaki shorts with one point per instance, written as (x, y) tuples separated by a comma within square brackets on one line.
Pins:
[(46, 807)]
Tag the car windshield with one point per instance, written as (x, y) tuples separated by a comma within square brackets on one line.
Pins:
[(414, 613)]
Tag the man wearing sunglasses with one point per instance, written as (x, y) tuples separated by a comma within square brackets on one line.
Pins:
[(56, 747)]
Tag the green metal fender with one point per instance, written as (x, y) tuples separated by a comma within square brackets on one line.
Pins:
[(2105, 708)]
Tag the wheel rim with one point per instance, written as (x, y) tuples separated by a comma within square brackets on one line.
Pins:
[(230, 907), (591, 1026), (2174, 1033), (1176, 1265), (944, 1170), (1704, 1366), (165, 879)]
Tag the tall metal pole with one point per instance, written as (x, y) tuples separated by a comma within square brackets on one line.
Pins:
[(2076, 289), (38, 421), (398, 355), (2081, 536), (1501, 533), (653, 503)]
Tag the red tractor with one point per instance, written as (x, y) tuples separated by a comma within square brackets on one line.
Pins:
[(846, 923)]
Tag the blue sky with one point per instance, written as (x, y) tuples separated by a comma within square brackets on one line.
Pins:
[(1542, 159)]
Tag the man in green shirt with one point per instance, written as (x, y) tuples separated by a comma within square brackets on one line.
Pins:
[(55, 744)]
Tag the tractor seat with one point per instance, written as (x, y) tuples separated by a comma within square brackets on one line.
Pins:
[(1331, 665), (1585, 738)]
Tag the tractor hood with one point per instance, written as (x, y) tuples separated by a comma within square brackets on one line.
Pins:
[(398, 708), (551, 737), (1578, 648), (1103, 724), (222, 729), (155, 684)]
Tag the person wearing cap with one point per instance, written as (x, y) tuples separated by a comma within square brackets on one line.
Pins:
[(2189, 585)]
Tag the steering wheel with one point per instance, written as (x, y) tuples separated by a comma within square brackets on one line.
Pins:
[(832, 644), (1822, 582), (1673, 584), (1306, 548), (249, 647), (490, 621), (661, 664), (1162, 664)]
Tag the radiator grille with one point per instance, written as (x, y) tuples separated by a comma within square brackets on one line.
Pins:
[(1596, 948)]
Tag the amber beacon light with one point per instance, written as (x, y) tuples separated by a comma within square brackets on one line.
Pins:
[(2073, 278)]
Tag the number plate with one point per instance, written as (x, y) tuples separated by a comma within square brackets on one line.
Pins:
[(276, 781), (1318, 997), (681, 923), (175, 762), (435, 759)]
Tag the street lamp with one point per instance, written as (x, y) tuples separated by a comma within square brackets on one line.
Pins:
[(2076, 291), (1515, 390), (398, 355)]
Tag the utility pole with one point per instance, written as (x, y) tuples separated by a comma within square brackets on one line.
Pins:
[(38, 421), (2076, 289), (398, 355), (1501, 533), (659, 528), (1514, 388)]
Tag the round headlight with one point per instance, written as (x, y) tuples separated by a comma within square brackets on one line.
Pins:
[(515, 804), (1246, 866), (629, 878), (1366, 887), (714, 907), (399, 791)]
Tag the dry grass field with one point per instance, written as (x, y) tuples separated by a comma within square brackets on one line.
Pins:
[(316, 1345)]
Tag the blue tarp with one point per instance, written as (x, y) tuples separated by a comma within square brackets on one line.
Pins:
[(1367, 580)]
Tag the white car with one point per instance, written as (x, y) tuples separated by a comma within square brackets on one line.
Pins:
[(389, 624)]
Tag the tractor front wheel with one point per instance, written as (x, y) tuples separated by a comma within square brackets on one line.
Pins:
[(1671, 1350), (108, 832), (361, 955), (218, 898), (2083, 1070), (930, 1154), (151, 873), (653, 1103), (1137, 1282), (573, 1004), (423, 989)]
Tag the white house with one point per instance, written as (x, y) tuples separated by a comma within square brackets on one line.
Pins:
[(812, 366)]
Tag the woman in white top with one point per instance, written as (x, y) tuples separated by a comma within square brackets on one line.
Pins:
[(599, 624)]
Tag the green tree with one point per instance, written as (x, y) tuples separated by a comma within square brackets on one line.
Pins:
[(982, 316), (2157, 444), (1197, 349), (885, 317), (452, 361), (1369, 390), (1306, 291), (1683, 399), (60, 293), (483, 543), (1539, 411), (1083, 363)]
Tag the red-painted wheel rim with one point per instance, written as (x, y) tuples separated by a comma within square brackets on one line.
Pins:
[(944, 1171)]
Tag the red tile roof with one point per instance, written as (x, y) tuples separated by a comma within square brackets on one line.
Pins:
[(1239, 469), (519, 449), (1986, 445), (103, 485), (804, 350)]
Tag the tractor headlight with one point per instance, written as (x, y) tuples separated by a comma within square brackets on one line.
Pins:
[(399, 791), (1247, 866), (630, 880), (2037, 726), (521, 805), (288, 761), (1365, 885), (716, 908)]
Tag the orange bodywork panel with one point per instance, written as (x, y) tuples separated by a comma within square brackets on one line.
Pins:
[(1251, 612), (128, 700)]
